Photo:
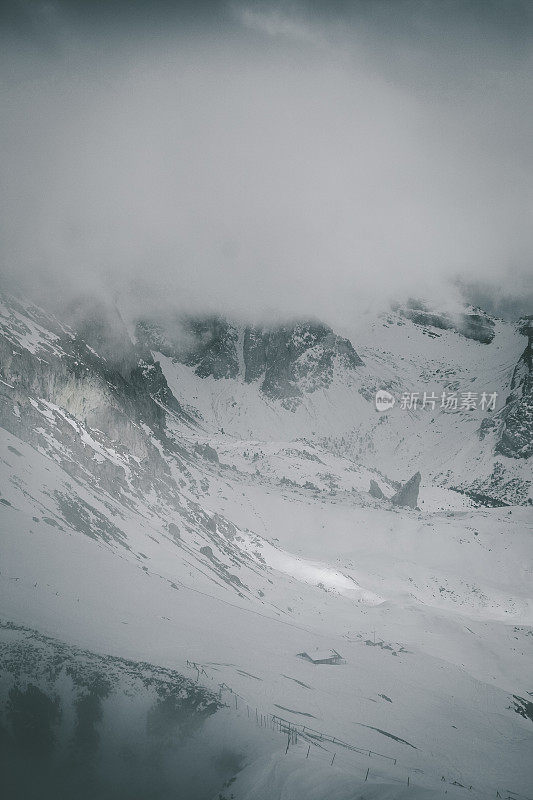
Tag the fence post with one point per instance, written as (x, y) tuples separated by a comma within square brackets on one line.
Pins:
[(366, 776), (333, 759), (308, 749)]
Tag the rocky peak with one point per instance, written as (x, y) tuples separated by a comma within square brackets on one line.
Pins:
[(215, 347), (209, 344), (473, 324), (408, 494), (295, 359), (516, 437), (113, 389), (289, 360)]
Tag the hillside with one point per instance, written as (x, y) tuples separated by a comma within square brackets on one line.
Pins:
[(184, 514)]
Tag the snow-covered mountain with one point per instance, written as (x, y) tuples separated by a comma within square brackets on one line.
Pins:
[(185, 509), (304, 381)]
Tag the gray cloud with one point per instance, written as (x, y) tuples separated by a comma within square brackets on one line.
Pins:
[(262, 159)]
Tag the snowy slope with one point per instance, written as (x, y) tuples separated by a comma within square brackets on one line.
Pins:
[(451, 447), (134, 531)]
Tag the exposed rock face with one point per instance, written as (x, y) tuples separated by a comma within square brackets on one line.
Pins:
[(301, 358), (101, 327), (289, 360), (115, 398), (475, 324), (479, 327), (208, 344), (148, 376), (207, 452), (255, 349), (516, 438), (214, 352), (108, 434), (408, 494), (375, 491)]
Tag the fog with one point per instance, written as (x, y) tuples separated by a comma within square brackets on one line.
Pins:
[(268, 160), (78, 733)]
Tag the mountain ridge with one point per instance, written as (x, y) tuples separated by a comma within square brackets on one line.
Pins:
[(201, 525)]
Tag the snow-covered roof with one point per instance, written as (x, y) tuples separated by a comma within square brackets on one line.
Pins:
[(320, 655)]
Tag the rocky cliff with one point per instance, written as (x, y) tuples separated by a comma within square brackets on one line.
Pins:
[(287, 360), (516, 438)]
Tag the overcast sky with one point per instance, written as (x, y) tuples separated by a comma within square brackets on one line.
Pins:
[(269, 159)]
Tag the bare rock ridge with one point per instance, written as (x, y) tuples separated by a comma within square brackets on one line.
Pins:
[(516, 438), (100, 326), (408, 494), (288, 360), (475, 324), (301, 358), (212, 348), (108, 378), (114, 394)]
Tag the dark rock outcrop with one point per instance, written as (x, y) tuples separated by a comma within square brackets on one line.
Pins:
[(300, 358), (408, 494), (100, 330), (209, 344), (288, 360), (516, 437), (207, 452), (474, 324), (174, 530), (214, 352), (479, 327), (55, 373), (255, 353), (375, 491)]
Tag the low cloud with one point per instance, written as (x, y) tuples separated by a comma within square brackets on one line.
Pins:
[(264, 163)]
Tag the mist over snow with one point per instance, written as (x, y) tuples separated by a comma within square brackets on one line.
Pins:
[(266, 399), (268, 160)]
